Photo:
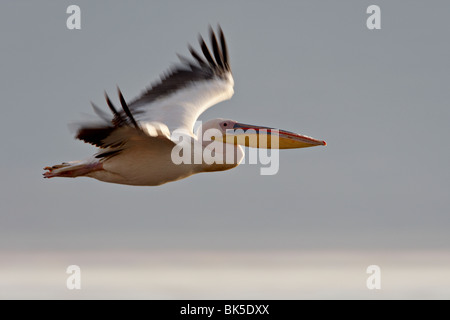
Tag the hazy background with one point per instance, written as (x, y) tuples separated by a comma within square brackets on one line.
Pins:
[(379, 189)]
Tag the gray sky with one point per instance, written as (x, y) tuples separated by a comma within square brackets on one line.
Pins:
[(379, 98)]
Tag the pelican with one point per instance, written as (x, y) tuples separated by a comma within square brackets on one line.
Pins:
[(136, 144)]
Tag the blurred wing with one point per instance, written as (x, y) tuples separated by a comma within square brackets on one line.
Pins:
[(188, 89)]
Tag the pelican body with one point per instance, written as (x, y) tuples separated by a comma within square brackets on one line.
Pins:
[(138, 144)]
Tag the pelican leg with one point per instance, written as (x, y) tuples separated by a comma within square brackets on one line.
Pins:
[(72, 170)]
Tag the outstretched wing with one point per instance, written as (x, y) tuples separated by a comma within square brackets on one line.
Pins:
[(188, 89), (175, 102)]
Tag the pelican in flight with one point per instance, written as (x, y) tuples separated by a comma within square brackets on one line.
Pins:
[(136, 144)]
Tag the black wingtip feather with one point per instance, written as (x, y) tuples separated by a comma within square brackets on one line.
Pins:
[(111, 106), (223, 44), (206, 52), (216, 50), (94, 136), (197, 56), (126, 109), (118, 119)]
